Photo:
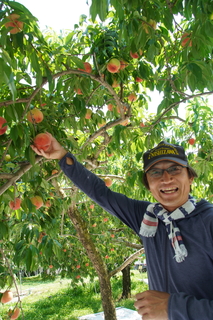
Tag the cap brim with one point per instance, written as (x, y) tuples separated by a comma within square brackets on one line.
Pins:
[(172, 159)]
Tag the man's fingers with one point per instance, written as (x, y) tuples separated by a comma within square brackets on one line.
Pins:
[(39, 152)]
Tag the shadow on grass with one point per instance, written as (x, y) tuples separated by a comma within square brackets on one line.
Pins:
[(67, 304)]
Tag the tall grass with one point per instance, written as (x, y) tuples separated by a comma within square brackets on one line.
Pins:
[(59, 300)]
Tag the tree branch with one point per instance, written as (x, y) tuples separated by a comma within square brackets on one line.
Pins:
[(129, 260), (18, 174)]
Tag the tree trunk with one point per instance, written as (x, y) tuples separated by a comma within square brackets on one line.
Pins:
[(96, 259), (126, 283)]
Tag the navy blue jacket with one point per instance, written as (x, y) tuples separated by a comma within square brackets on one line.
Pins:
[(190, 283)]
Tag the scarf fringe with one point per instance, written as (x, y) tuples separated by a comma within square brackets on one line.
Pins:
[(181, 253)]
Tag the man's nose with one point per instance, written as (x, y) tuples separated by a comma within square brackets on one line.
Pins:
[(166, 176)]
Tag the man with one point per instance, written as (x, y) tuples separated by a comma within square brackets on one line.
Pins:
[(177, 231)]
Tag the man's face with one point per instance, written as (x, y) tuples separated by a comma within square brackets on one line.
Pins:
[(171, 191)]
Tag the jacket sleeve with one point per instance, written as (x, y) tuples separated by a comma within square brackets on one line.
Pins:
[(128, 210), (186, 307)]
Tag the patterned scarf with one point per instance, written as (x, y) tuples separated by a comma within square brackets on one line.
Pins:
[(156, 211)]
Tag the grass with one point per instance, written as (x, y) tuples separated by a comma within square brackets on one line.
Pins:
[(58, 300)]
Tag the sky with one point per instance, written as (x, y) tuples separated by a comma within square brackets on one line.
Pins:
[(58, 15)]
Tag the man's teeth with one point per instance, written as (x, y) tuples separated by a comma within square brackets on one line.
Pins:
[(169, 190)]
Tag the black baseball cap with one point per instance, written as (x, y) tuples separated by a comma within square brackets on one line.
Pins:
[(165, 151)]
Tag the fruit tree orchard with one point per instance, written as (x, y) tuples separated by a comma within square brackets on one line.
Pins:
[(90, 88)]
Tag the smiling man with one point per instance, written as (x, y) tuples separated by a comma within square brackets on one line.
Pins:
[(177, 230)]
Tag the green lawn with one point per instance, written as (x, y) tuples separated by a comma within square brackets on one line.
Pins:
[(58, 300)]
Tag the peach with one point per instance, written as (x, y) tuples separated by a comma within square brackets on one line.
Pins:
[(35, 116), (191, 141), (3, 127), (100, 125), (14, 23), (48, 204), (16, 204), (41, 235), (87, 67), (37, 201), (113, 65), (186, 40), (146, 26), (115, 84), (78, 91), (110, 107), (14, 314), (138, 79), (42, 141), (7, 157), (108, 182), (7, 296), (124, 122), (153, 23), (136, 55), (88, 114), (132, 97), (123, 64)]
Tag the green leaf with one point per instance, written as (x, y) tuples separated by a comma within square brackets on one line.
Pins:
[(8, 59), (192, 82), (21, 7), (9, 79), (28, 258), (209, 28), (50, 80), (34, 62), (79, 63), (30, 155), (119, 9), (139, 156), (69, 37), (3, 230), (195, 69), (143, 70)]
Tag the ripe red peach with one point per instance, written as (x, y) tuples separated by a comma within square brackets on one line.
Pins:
[(87, 67), (110, 107), (7, 296), (42, 141), (113, 65), (123, 64), (3, 127), (14, 23), (108, 181), (14, 314), (35, 115), (132, 97), (88, 114), (37, 201), (16, 204)]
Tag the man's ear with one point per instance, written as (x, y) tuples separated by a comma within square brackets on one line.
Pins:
[(191, 180)]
